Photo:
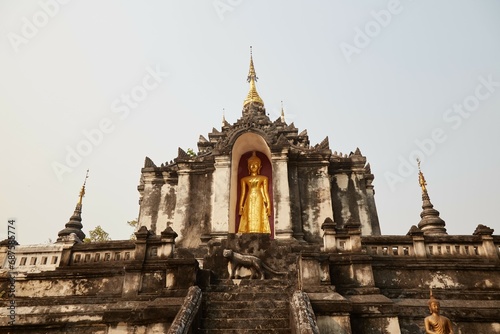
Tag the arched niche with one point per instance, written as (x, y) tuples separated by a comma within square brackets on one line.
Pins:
[(241, 151)]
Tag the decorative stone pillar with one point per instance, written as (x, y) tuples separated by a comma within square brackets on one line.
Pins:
[(67, 248), (182, 201), (168, 198), (140, 244), (220, 197), (418, 241), (489, 250), (167, 248), (150, 194), (324, 193), (281, 193), (354, 233), (329, 240)]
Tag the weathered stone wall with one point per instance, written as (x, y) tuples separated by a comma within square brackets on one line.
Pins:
[(196, 194), (180, 199), (351, 199), (110, 287), (314, 197), (150, 200), (193, 211)]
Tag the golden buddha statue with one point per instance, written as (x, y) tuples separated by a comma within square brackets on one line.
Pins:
[(436, 323), (255, 207)]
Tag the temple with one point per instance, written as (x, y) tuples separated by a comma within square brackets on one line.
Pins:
[(259, 231), (197, 195)]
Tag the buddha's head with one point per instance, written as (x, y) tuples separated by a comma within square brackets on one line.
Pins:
[(254, 164), (433, 304)]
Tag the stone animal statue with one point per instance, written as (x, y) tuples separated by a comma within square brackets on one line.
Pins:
[(251, 262)]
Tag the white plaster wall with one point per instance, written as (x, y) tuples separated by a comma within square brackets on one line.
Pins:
[(164, 215), (182, 203), (281, 191), (220, 196), (144, 211), (342, 183), (325, 204)]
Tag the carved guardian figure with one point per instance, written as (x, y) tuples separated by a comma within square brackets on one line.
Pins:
[(251, 262)]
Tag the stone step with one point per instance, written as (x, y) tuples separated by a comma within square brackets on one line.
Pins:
[(250, 285), (245, 304), (248, 288), (245, 324), (245, 331), (265, 313), (243, 296), (253, 282)]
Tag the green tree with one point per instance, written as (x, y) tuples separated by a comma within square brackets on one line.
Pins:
[(133, 223), (97, 235), (191, 153)]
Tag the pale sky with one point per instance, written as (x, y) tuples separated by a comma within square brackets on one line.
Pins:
[(396, 79)]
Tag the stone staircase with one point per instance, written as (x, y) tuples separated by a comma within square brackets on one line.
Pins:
[(246, 306)]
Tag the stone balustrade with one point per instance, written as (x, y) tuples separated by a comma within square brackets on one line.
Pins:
[(68, 252), (475, 246), (33, 258), (125, 252), (348, 239)]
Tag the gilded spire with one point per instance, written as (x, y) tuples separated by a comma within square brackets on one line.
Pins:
[(253, 96), (430, 223), (82, 191), (74, 225), (421, 179)]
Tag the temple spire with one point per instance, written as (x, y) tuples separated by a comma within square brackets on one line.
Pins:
[(430, 223), (253, 96), (74, 225), (82, 191), (282, 113)]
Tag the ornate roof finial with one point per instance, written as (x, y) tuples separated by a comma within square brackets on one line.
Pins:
[(431, 223), (253, 96), (223, 116), (421, 178), (74, 225), (282, 112), (82, 191)]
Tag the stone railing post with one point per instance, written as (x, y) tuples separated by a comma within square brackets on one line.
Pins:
[(488, 248), (354, 233), (140, 244), (167, 247), (67, 249), (329, 241), (418, 241)]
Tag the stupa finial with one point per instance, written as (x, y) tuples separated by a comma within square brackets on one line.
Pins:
[(253, 96), (430, 222)]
